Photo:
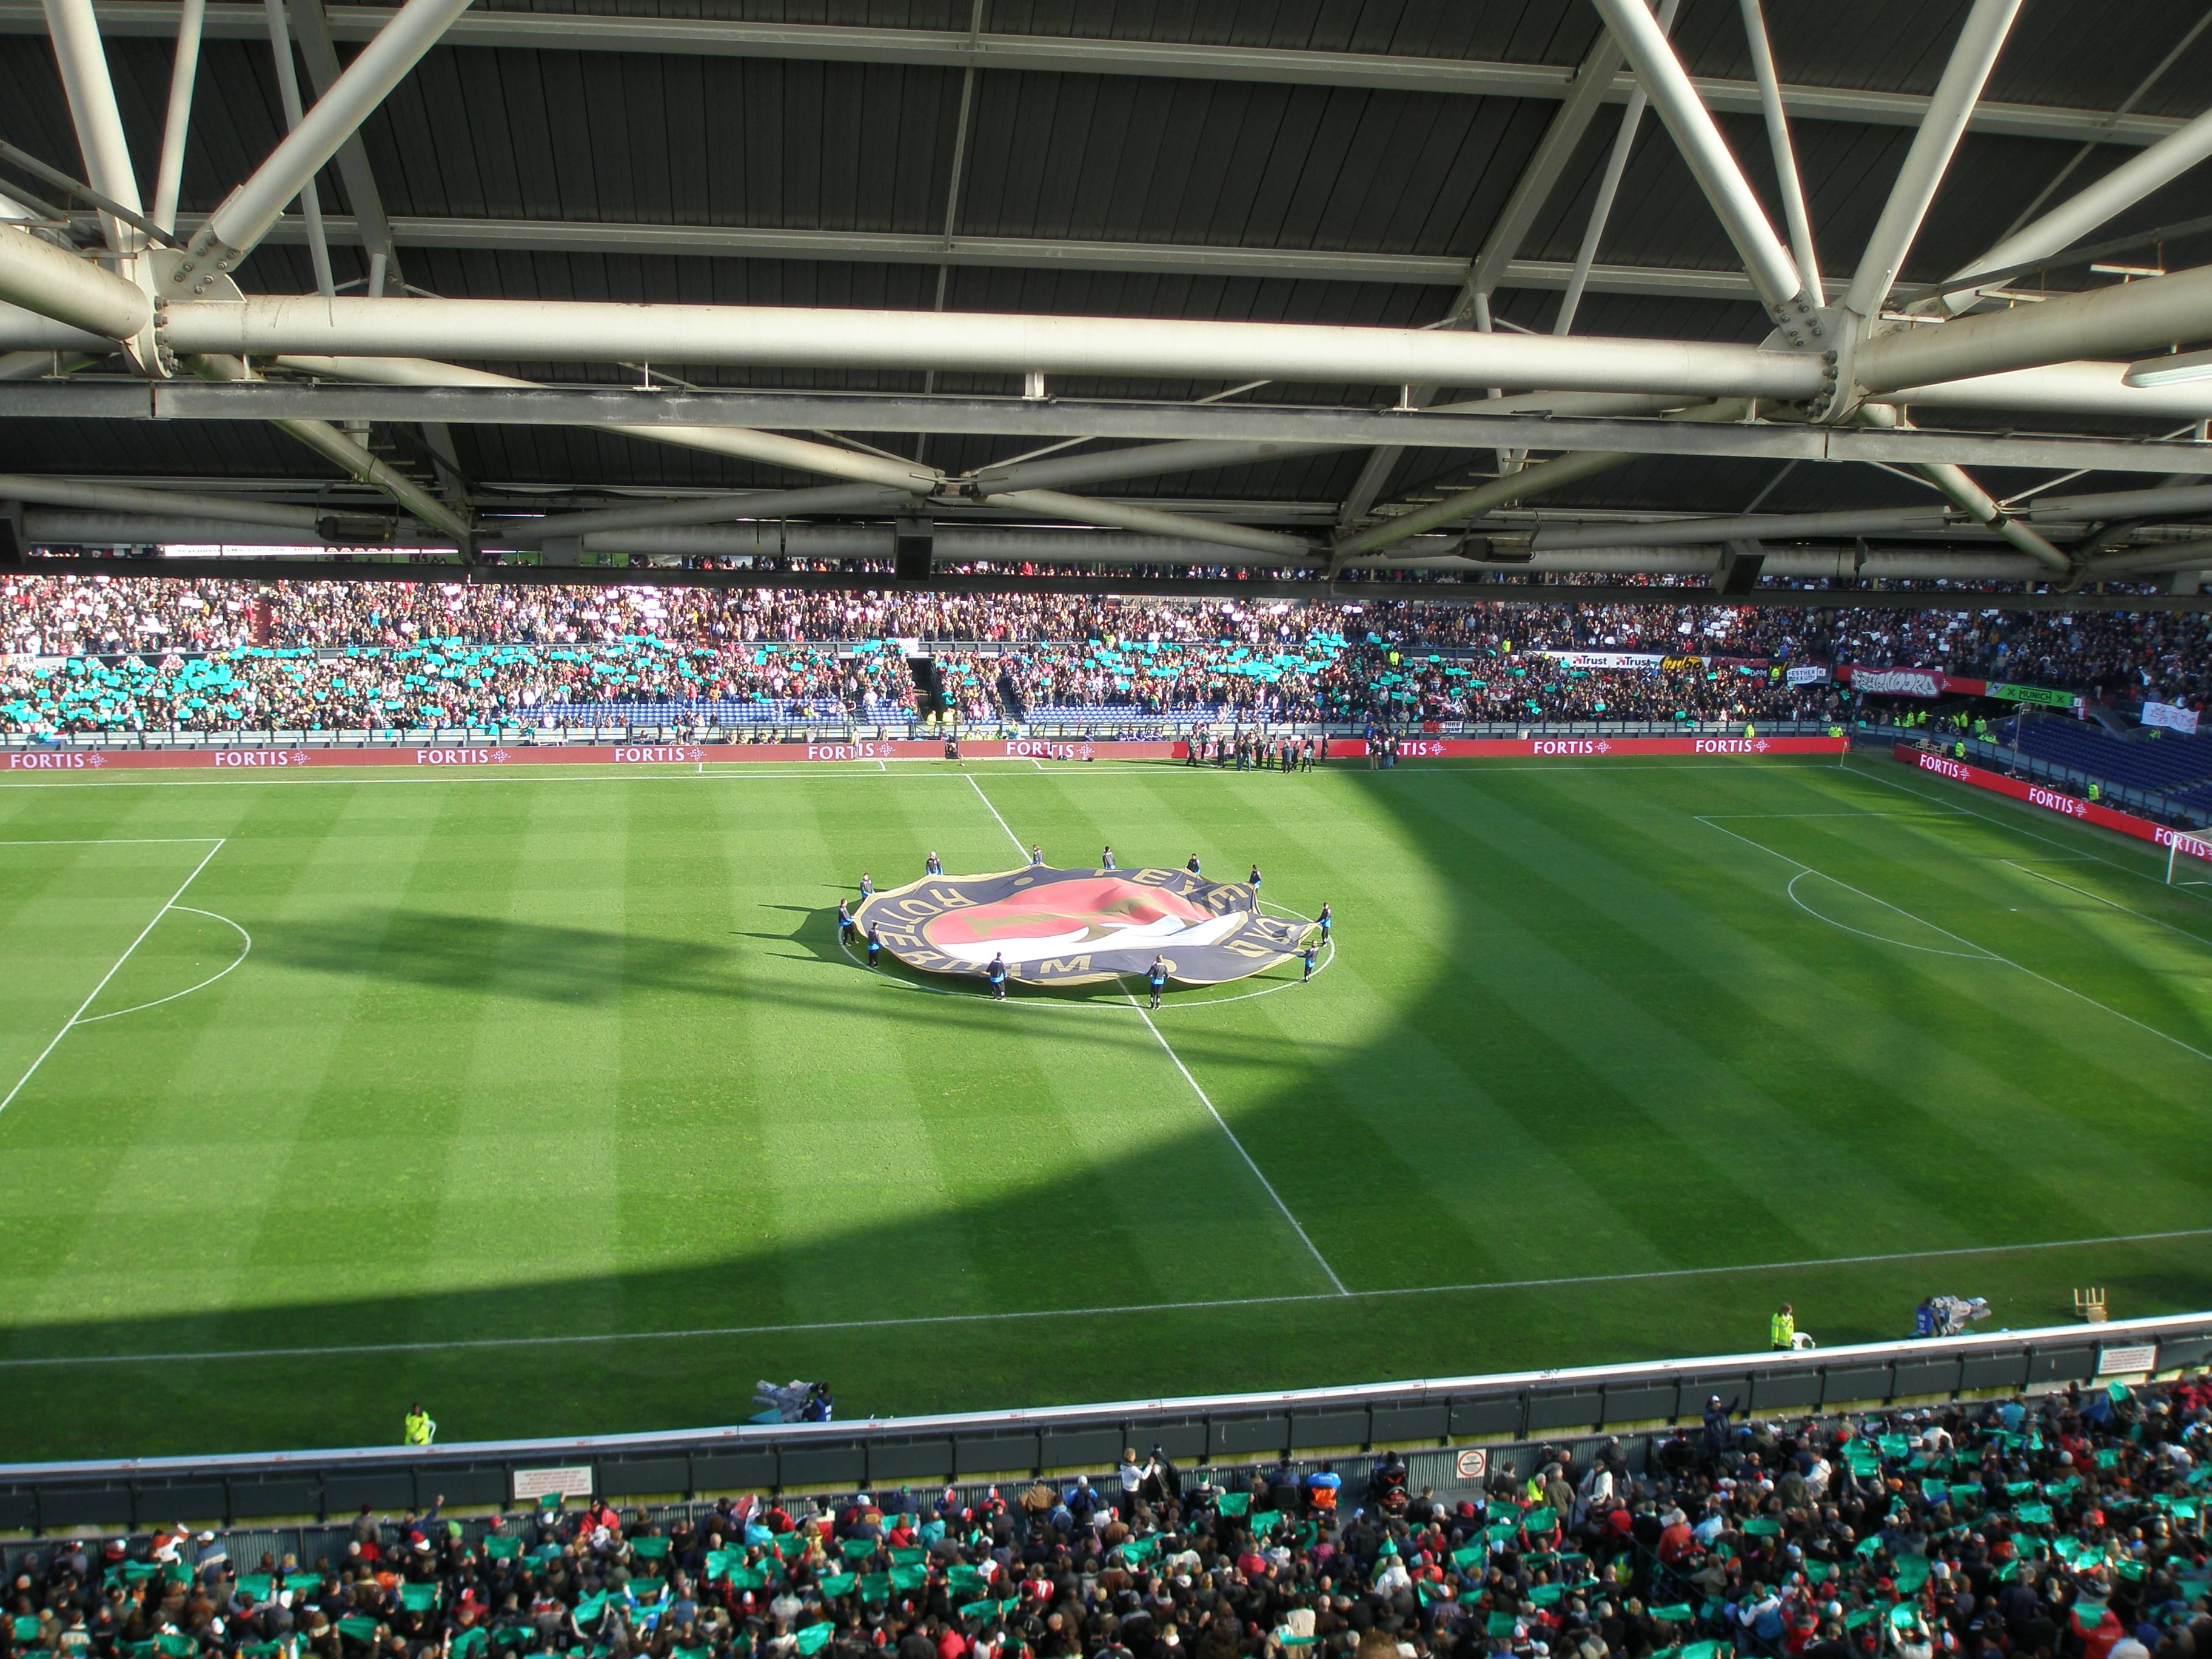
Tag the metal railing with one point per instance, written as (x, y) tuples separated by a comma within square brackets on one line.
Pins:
[(1459, 1416)]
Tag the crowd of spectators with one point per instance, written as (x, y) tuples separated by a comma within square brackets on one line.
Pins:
[(142, 653), (2069, 1527)]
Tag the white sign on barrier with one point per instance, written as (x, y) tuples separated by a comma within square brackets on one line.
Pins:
[(1474, 1463), (2113, 1361), (530, 1484)]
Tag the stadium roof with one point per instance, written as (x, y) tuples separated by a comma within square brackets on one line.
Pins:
[(913, 207)]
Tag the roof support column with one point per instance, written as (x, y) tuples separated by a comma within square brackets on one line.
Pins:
[(2076, 217), (348, 456), (184, 69), (83, 62), (288, 90), (1786, 176), (1768, 264), (1608, 187), (236, 228), (1973, 58), (58, 284), (1593, 84)]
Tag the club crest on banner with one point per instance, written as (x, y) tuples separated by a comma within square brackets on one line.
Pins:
[(1075, 927)]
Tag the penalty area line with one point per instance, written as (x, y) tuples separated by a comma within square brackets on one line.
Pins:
[(1989, 955), (710, 1333)]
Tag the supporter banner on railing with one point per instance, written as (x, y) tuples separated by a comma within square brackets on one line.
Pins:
[(1648, 662), (458, 757), (1563, 748), (1934, 682), (2042, 695), (2056, 800), (2172, 716), (1899, 682)]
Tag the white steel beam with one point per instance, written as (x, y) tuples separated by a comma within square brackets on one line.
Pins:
[(288, 90), (184, 69), (697, 37), (349, 457), (1589, 92), (1514, 486), (1772, 271), (61, 288), (1955, 485), (767, 504), (1608, 187), (262, 326), (122, 498), (1973, 57), (2076, 217), (1532, 479), (83, 62), (2127, 317), (1791, 183), (2062, 510), (770, 448), (996, 252), (236, 228), (1494, 263), (1154, 460), (1124, 516), (2078, 388)]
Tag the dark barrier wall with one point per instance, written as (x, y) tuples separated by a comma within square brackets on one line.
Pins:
[(1498, 1412)]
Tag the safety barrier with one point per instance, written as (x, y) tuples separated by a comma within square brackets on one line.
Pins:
[(1470, 1417)]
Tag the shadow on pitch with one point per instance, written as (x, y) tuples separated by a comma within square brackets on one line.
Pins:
[(582, 967), (1477, 1130)]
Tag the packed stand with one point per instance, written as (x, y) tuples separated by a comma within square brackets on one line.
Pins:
[(2065, 1528), (141, 654)]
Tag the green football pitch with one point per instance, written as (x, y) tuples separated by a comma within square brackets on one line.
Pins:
[(550, 1100)]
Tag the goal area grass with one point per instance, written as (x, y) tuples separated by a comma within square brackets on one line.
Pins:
[(548, 1099)]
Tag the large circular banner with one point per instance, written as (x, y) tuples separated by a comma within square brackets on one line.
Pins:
[(1071, 927)]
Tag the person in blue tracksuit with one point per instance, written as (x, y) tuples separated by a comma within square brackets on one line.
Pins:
[(875, 943), (1156, 977), (933, 865), (1106, 859), (1324, 922), (997, 974), (1193, 866), (1254, 879), (1307, 956), (844, 922)]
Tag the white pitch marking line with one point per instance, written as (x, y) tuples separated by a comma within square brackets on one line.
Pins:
[(993, 811), (119, 841), (1268, 1186), (1930, 818), (1879, 938), (235, 963), (1143, 1013), (77, 1017), (2028, 870), (715, 1331), (2045, 978)]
